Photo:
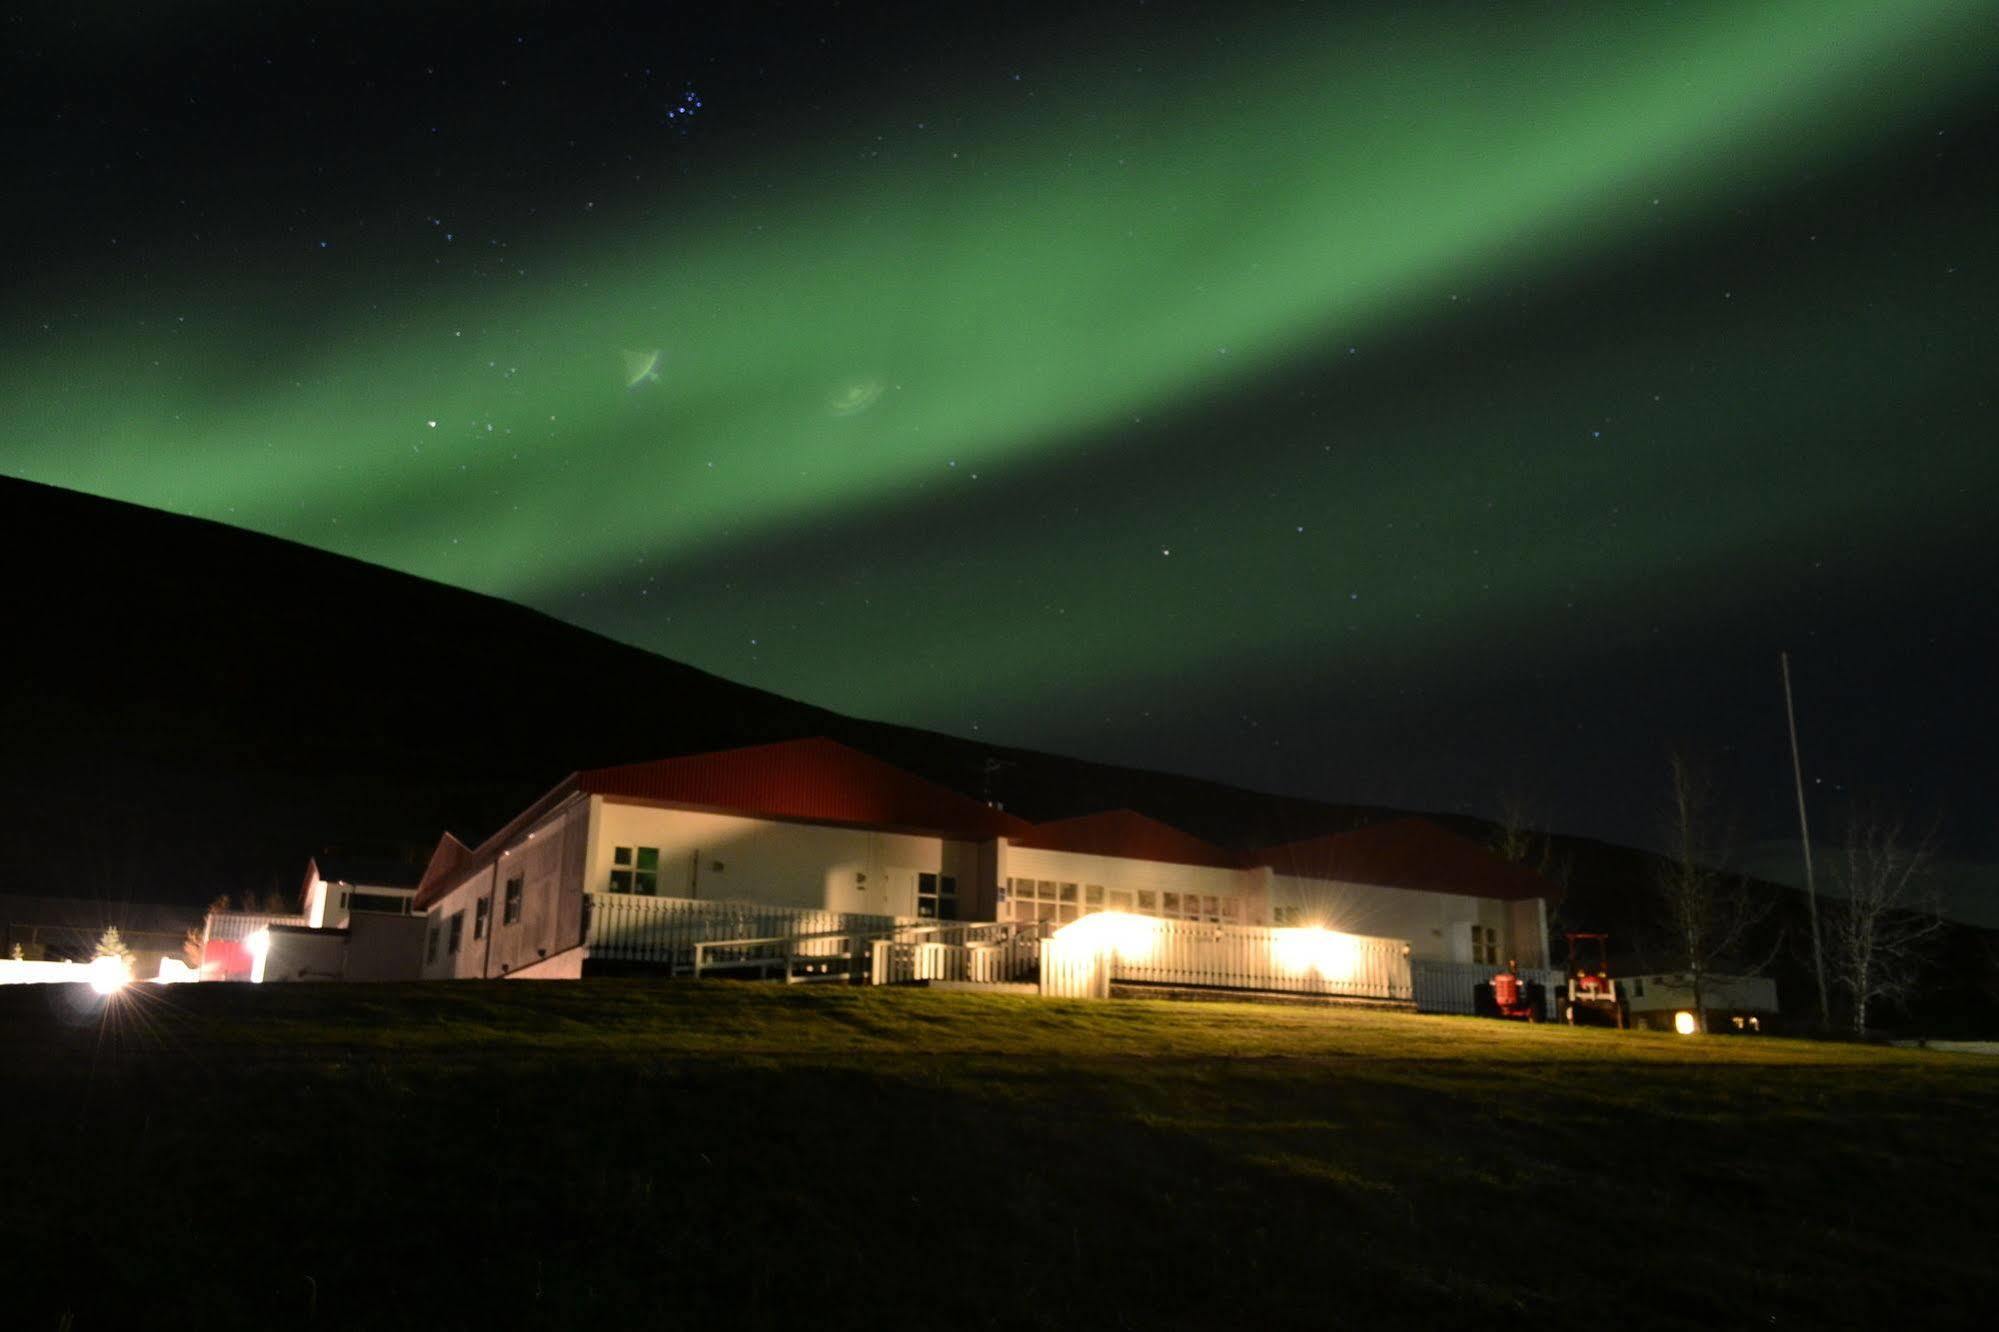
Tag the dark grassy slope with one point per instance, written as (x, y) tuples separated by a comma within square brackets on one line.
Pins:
[(637, 1155), (189, 708)]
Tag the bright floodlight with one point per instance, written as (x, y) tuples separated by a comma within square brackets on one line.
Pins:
[(1311, 948), (1684, 1023), (108, 975), (259, 945), (173, 971), (1132, 938)]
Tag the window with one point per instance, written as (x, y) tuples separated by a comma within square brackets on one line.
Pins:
[(430, 943), (481, 909), (1148, 902), (1093, 896), (510, 911), (937, 896), (1485, 945), (457, 932), (635, 869)]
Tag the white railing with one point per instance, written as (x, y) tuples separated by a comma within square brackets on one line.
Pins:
[(1446, 987), (236, 926), (1075, 969), (668, 930), (1230, 957), (987, 953)]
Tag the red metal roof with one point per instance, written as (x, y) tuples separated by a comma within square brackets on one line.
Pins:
[(818, 780), (1408, 853), (1128, 833)]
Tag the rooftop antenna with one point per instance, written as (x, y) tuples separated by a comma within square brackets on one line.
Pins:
[(1805, 837)]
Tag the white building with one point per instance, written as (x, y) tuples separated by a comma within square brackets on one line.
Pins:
[(634, 866), (337, 886)]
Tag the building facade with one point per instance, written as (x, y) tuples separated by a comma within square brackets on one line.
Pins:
[(825, 834)]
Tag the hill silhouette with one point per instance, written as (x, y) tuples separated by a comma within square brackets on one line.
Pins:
[(193, 709)]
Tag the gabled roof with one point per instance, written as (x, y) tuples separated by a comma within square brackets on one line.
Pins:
[(816, 780), (1407, 853), (1127, 833), (444, 863)]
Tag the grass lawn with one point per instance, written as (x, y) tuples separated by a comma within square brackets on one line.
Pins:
[(620, 1154)]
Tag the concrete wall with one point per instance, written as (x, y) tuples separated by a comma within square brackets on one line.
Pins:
[(381, 947), (1437, 925), (727, 857), (305, 955), (548, 860), (566, 965)]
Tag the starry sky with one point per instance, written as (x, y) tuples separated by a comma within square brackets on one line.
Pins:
[(1435, 405)]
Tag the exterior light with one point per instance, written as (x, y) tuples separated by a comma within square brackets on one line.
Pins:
[(173, 971), (1685, 1023), (1132, 938), (1312, 948), (259, 945), (108, 975)]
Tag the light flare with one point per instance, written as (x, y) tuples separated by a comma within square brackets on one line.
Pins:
[(109, 974), (1310, 949), (1132, 938)]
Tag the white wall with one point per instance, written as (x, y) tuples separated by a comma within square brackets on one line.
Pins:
[(471, 956), (784, 864), (1117, 872), (1436, 925)]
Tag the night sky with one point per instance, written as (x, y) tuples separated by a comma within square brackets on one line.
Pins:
[(1415, 404)]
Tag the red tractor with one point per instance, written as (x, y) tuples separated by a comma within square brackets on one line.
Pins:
[(1590, 997), (1508, 995)]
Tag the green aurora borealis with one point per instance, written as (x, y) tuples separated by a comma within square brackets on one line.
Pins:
[(1428, 344)]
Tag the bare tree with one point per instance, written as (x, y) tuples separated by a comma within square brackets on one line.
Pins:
[(1516, 838), (1708, 914), (1885, 912)]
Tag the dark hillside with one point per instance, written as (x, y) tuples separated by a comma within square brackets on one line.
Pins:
[(189, 709)]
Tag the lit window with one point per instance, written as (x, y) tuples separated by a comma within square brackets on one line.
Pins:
[(635, 869), (510, 910)]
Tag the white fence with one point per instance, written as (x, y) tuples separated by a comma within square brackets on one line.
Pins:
[(1075, 969), (1446, 987), (698, 936), (1235, 957), (43, 973), (984, 953)]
